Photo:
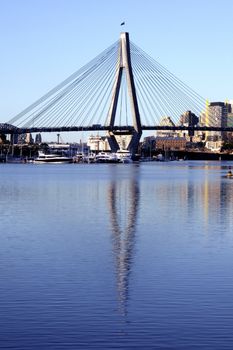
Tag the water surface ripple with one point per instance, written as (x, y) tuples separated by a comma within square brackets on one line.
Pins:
[(134, 256)]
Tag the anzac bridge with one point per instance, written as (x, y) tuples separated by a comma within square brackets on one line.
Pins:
[(122, 91)]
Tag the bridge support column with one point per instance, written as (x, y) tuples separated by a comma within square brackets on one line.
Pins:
[(113, 142), (125, 64)]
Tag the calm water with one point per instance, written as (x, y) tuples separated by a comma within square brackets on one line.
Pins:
[(135, 256)]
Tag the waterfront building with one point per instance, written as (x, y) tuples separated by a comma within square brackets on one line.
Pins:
[(167, 139), (230, 106), (28, 138), (14, 139), (217, 117), (38, 138), (21, 139), (2, 138), (98, 143), (188, 119), (59, 146), (214, 145), (170, 143), (203, 118), (166, 121), (148, 146), (230, 122)]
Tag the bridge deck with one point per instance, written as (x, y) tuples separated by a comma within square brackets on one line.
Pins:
[(120, 129)]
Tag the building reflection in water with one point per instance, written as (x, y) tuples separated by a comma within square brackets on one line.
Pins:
[(203, 198), (123, 201)]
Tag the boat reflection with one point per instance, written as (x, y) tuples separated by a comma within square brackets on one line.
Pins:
[(123, 202)]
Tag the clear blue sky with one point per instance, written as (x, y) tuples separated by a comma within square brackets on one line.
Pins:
[(44, 41)]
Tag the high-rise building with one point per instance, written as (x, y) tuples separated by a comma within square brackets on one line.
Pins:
[(230, 120), (217, 117), (188, 118), (29, 138), (38, 138)]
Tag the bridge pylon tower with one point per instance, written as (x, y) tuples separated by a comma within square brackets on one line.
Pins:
[(124, 63)]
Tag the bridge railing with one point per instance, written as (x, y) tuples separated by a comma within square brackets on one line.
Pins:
[(121, 129)]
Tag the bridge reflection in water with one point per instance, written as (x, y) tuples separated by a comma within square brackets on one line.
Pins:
[(123, 200)]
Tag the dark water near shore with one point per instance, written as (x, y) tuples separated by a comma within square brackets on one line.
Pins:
[(136, 256)]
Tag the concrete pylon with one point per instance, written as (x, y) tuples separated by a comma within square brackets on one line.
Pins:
[(124, 62)]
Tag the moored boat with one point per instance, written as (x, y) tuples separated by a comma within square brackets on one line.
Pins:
[(79, 157), (124, 156), (104, 157), (229, 173), (52, 158)]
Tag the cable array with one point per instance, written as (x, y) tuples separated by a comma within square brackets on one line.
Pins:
[(80, 100), (84, 98), (160, 93)]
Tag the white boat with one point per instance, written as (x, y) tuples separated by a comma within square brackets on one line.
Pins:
[(124, 156), (160, 158), (79, 157), (104, 157), (52, 158), (91, 158)]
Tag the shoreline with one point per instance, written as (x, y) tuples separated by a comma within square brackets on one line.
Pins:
[(171, 155), (195, 155)]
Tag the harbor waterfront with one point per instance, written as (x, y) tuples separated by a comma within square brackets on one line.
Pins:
[(81, 157), (116, 256)]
